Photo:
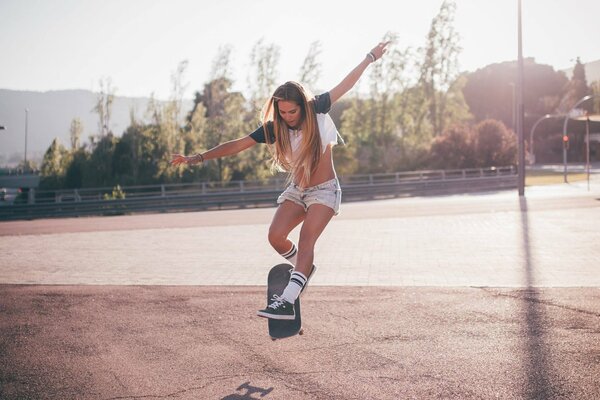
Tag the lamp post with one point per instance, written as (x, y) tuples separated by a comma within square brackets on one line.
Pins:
[(533, 130), (587, 149), (520, 110), (569, 115), (26, 123)]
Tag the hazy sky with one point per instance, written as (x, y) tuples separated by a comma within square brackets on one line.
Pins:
[(71, 44)]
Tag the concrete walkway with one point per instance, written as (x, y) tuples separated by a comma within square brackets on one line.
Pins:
[(549, 238)]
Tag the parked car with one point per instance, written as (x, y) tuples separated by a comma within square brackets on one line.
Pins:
[(8, 196)]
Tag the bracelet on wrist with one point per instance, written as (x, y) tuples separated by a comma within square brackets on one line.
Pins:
[(371, 56), (198, 158)]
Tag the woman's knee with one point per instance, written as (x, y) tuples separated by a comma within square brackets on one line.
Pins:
[(276, 237)]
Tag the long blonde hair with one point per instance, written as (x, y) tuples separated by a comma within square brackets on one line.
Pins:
[(281, 148)]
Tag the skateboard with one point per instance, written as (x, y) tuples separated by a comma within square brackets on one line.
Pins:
[(279, 277)]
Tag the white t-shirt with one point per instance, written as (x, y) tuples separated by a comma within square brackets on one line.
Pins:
[(327, 130)]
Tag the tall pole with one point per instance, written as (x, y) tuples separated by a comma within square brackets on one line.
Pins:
[(587, 149), (26, 123), (520, 111)]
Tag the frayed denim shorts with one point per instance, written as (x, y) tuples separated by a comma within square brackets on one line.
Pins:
[(327, 193)]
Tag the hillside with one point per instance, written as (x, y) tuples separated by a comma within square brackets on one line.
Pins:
[(50, 115)]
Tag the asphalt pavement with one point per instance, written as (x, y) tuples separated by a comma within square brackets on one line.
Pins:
[(476, 296)]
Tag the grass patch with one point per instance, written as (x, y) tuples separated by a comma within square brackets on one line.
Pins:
[(537, 177)]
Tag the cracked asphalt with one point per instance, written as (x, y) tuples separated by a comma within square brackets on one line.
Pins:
[(511, 315)]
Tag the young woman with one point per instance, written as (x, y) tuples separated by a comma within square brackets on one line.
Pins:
[(301, 136)]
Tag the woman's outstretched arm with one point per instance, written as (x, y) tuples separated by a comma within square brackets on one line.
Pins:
[(350, 80), (224, 149)]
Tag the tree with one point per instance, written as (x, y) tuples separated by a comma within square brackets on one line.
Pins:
[(310, 71), (439, 68), (75, 173), (453, 149), (221, 66), (75, 132), (494, 144), (576, 89), (355, 129), (164, 135), (100, 167), (486, 144), (54, 166), (262, 80), (595, 88), (381, 131), (103, 106)]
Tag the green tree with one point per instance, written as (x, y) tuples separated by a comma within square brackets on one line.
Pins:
[(164, 135), (221, 66), (103, 106), (355, 129), (75, 132), (100, 167), (453, 149), (595, 88), (576, 89), (376, 128), (439, 68), (219, 115), (75, 173), (262, 80), (194, 138), (54, 164), (494, 144), (310, 71)]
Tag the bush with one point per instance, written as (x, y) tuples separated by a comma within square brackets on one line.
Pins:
[(453, 149), (495, 145), (487, 144)]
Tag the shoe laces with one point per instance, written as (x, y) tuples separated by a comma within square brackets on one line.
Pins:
[(277, 301)]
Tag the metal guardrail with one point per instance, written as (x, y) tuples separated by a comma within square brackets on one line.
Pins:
[(241, 194)]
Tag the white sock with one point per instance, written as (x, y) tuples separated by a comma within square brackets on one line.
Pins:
[(293, 289), (291, 255)]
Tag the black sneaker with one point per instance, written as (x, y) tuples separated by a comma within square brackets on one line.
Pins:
[(278, 309), (312, 272)]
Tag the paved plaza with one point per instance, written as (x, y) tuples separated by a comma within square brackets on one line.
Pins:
[(456, 297), (550, 238)]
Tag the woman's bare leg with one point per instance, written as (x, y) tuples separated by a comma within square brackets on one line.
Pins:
[(288, 216), (315, 221)]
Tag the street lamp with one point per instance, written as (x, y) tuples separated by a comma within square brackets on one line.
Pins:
[(570, 114), (520, 108), (533, 130), (26, 123)]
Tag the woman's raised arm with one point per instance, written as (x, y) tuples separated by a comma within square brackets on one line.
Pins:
[(350, 80)]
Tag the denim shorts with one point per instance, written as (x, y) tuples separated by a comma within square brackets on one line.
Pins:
[(327, 193)]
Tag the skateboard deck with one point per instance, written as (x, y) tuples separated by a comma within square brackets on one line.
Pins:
[(279, 277)]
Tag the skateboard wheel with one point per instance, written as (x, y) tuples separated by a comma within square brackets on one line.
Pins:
[(301, 332)]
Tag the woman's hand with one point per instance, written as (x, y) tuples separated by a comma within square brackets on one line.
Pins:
[(178, 159), (379, 50)]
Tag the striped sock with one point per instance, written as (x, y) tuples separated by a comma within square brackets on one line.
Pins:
[(293, 289), (291, 255)]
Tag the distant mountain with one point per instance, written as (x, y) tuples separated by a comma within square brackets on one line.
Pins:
[(592, 71), (50, 115)]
